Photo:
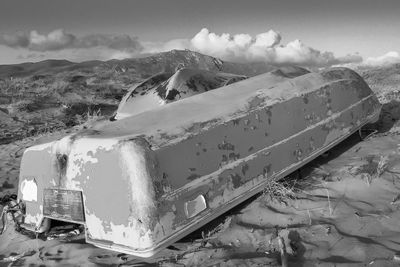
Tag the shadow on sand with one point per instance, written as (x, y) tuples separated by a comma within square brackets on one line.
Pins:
[(390, 114)]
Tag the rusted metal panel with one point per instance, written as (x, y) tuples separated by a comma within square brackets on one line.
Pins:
[(149, 179), (61, 204)]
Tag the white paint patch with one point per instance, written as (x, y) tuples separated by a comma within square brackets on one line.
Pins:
[(135, 167), (121, 115), (133, 236), (94, 144), (76, 161), (41, 147), (29, 189), (34, 219), (82, 152)]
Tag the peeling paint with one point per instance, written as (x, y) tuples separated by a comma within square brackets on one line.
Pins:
[(135, 166), (155, 165), (130, 236), (226, 146)]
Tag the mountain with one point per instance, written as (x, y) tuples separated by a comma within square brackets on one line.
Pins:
[(383, 80), (170, 61), (142, 67)]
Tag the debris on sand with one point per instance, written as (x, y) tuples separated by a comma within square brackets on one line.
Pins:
[(12, 210), (64, 232)]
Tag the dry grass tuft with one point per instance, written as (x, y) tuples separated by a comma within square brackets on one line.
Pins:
[(293, 187), (373, 169), (91, 116), (281, 191), (382, 165)]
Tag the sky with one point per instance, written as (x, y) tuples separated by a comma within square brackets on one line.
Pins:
[(306, 32)]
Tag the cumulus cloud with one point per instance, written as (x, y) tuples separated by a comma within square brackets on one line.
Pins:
[(265, 46), (55, 40), (59, 39), (236, 47), (388, 58), (384, 60)]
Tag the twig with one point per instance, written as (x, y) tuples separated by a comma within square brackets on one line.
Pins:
[(329, 199), (329, 202), (3, 219), (309, 216), (282, 248)]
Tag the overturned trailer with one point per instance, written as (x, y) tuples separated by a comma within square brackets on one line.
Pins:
[(143, 182)]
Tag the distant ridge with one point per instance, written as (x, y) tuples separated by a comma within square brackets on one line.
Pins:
[(142, 66)]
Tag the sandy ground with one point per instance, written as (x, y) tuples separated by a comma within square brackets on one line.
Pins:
[(342, 209)]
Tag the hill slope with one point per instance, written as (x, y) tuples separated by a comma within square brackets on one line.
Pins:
[(142, 67), (384, 81)]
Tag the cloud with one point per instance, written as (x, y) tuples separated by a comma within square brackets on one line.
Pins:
[(29, 56), (388, 58), (236, 47), (350, 59), (117, 42), (55, 40), (34, 41), (265, 47), (156, 47), (16, 40), (59, 39)]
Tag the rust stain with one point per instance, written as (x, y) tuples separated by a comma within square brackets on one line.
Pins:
[(245, 168), (226, 146), (236, 180)]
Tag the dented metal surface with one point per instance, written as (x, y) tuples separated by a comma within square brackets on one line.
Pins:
[(149, 179)]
